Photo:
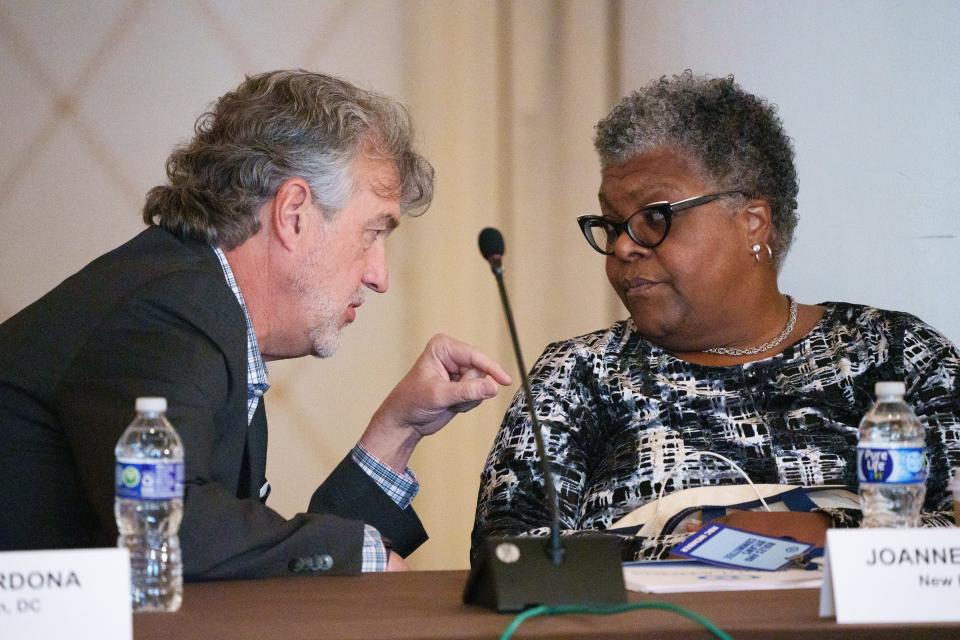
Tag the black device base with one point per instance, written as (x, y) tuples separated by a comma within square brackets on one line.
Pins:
[(513, 573)]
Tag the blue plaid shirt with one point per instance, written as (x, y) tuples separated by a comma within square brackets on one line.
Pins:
[(402, 488), (256, 368)]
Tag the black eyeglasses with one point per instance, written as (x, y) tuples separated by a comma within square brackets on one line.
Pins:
[(648, 227)]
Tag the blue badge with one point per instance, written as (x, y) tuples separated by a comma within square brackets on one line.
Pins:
[(729, 547)]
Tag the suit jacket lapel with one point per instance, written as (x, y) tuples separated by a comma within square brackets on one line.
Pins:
[(255, 460)]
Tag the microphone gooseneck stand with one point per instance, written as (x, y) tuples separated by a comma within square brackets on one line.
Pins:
[(496, 265), (512, 573)]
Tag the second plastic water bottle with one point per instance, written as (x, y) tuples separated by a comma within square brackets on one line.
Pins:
[(891, 461), (149, 506)]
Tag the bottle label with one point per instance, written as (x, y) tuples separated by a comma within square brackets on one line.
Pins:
[(891, 466), (149, 480)]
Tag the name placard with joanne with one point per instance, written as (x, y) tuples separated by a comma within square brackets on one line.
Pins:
[(892, 575)]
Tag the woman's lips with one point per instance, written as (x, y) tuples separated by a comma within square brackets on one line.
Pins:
[(638, 286)]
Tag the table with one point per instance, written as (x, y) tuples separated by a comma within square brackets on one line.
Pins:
[(426, 605)]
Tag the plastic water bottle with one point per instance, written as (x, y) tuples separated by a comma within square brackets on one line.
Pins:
[(149, 506), (891, 461)]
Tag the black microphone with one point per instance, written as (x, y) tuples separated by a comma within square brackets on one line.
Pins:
[(492, 248), (515, 572)]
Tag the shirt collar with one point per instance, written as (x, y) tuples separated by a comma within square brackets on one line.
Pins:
[(256, 368)]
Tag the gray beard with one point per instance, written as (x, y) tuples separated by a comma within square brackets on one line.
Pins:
[(324, 318), (325, 338), (324, 330)]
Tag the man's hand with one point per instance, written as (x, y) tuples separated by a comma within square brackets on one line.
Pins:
[(396, 563), (803, 527), (449, 377)]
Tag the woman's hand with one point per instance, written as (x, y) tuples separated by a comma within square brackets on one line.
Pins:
[(803, 527)]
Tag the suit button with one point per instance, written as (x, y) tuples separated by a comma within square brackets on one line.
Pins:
[(296, 565), (324, 562)]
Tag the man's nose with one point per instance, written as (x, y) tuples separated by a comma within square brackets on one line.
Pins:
[(377, 274)]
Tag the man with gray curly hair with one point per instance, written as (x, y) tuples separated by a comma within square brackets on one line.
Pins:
[(260, 247)]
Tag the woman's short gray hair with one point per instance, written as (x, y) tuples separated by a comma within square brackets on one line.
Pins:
[(735, 137), (273, 127)]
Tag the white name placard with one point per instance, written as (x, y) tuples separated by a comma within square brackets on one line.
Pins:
[(892, 575), (72, 593)]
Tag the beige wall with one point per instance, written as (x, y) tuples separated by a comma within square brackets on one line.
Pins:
[(94, 94)]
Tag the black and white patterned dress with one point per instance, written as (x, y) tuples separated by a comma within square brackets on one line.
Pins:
[(617, 413)]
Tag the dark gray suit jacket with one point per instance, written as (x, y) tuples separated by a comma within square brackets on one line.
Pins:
[(155, 317)]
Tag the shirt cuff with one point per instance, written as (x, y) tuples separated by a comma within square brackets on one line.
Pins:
[(401, 488), (374, 552)]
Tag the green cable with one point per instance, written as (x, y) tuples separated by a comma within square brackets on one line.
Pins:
[(544, 610)]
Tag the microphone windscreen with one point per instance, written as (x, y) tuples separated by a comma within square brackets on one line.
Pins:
[(491, 243)]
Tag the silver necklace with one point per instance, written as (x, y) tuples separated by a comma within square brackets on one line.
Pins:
[(766, 346)]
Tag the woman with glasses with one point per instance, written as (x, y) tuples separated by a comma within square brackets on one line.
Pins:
[(697, 212)]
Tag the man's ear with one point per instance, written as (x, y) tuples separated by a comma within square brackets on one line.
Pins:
[(290, 212)]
